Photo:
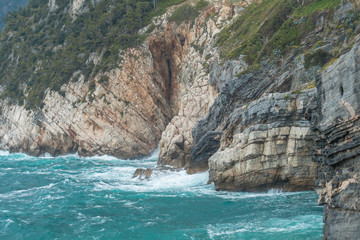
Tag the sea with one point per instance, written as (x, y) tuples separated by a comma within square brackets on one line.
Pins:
[(72, 197)]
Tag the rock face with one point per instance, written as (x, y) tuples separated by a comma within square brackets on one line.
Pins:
[(123, 116), (125, 111), (195, 94), (235, 93), (200, 154), (268, 145), (267, 132), (338, 147)]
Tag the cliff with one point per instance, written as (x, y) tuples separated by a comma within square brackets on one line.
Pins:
[(262, 94), (338, 146), (123, 116), (268, 144), (119, 108)]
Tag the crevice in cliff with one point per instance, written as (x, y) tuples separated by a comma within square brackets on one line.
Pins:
[(167, 50), (169, 79)]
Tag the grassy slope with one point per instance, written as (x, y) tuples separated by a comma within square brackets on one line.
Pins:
[(272, 27)]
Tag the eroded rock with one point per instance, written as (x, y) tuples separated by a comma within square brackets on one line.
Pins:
[(195, 93), (123, 116), (338, 148), (268, 145), (142, 173)]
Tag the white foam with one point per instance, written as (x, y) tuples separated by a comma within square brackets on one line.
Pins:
[(159, 182), (216, 233), (171, 180), (275, 191), (154, 155), (102, 157), (25, 192), (8, 222), (49, 197), (49, 156), (4, 153)]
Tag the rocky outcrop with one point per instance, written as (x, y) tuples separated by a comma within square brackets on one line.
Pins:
[(268, 145), (338, 147), (141, 173), (123, 114), (195, 93), (234, 93), (267, 119), (200, 154)]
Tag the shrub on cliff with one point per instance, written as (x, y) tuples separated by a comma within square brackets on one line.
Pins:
[(187, 13), (316, 58)]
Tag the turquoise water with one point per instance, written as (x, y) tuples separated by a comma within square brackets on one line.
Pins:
[(96, 198)]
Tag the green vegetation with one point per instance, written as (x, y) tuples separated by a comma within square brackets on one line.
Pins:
[(271, 28), (41, 50), (7, 6), (311, 85), (104, 79), (287, 97), (315, 6), (316, 58), (247, 34), (187, 13), (150, 28), (163, 5)]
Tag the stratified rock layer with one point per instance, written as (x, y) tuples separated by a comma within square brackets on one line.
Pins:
[(338, 151), (268, 145)]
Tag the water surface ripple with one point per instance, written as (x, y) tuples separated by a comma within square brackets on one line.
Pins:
[(95, 198)]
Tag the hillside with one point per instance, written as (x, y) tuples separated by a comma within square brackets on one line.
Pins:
[(54, 41)]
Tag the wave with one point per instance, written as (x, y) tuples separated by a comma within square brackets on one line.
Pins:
[(213, 232), (270, 226), (153, 156), (160, 181), (118, 176), (4, 153), (25, 192)]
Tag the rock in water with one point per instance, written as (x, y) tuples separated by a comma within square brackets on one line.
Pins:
[(142, 173), (138, 172), (147, 173)]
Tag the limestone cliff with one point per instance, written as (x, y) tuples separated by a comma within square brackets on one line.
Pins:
[(195, 93), (124, 111), (338, 146), (268, 144), (263, 95), (123, 116)]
